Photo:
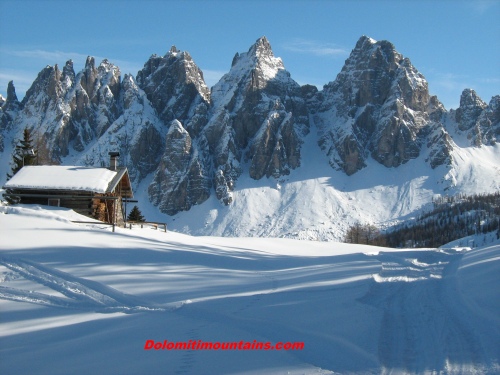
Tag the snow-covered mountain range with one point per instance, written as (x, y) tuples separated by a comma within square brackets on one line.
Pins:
[(258, 154)]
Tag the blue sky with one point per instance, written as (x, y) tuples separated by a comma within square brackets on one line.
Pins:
[(454, 44)]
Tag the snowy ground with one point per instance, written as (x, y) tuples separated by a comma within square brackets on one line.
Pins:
[(316, 202), (80, 299)]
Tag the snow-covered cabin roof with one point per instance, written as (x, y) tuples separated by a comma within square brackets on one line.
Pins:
[(68, 178)]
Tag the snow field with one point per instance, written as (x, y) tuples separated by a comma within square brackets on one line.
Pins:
[(81, 299)]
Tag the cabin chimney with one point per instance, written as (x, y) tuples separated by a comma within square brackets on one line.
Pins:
[(113, 160)]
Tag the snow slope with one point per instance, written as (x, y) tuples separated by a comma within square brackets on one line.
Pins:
[(80, 299), (316, 202)]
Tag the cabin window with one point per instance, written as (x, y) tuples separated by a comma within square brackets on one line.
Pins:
[(54, 202)]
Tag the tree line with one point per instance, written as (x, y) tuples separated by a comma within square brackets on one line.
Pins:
[(450, 219)]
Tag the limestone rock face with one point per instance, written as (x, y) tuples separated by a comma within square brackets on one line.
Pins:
[(89, 114), (376, 106), (177, 91), (471, 107), (81, 117), (191, 141), (440, 146), (258, 116), (94, 101), (480, 121), (491, 121), (180, 180), (175, 86), (67, 112), (9, 107), (137, 134), (11, 103)]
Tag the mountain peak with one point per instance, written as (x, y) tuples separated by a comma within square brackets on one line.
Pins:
[(68, 67), (176, 53), (174, 85), (11, 103), (260, 56), (382, 100), (256, 121), (68, 73), (11, 93), (263, 43), (471, 107), (368, 49), (256, 68), (261, 47), (365, 41), (470, 98), (89, 63)]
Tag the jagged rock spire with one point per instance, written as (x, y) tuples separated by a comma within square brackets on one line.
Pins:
[(9, 109), (261, 47), (68, 76), (479, 120), (471, 106), (11, 103), (11, 93)]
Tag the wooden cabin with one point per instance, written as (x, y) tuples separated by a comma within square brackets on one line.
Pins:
[(93, 192)]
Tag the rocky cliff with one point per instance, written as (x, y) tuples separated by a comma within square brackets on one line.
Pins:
[(379, 106), (480, 121), (258, 117), (192, 142)]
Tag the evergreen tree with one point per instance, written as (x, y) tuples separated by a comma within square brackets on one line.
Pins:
[(24, 154), (452, 218), (135, 215)]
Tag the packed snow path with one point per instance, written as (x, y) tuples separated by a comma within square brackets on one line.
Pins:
[(424, 320)]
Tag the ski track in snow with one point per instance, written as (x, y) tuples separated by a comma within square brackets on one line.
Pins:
[(82, 294), (421, 309)]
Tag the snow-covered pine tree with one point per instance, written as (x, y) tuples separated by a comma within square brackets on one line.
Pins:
[(135, 215)]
